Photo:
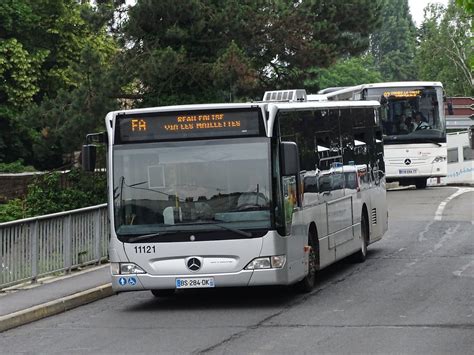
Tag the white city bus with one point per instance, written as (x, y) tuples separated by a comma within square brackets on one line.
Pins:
[(414, 127), (249, 194)]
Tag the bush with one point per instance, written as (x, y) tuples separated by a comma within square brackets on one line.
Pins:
[(15, 167), (57, 192), (13, 210), (50, 194)]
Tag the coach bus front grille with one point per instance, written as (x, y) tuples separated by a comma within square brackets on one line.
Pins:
[(414, 161)]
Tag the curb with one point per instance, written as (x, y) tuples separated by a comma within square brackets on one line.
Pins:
[(51, 308)]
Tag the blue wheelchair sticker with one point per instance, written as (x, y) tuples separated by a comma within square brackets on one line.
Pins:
[(122, 281), (132, 281)]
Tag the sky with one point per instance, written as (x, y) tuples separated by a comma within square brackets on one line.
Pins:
[(417, 6)]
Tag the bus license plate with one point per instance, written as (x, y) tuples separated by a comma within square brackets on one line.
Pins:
[(203, 282), (407, 171)]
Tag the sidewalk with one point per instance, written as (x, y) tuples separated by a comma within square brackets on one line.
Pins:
[(27, 303)]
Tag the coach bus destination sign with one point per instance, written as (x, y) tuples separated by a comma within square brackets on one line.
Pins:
[(186, 125)]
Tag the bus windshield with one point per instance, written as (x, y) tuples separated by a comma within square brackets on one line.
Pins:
[(192, 185), (410, 114)]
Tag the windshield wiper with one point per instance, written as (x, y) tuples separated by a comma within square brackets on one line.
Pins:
[(235, 230), (153, 235), (434, 142), (146, 236)]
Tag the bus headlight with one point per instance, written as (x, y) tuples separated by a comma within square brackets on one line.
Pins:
[(125, 269), (267, 262), (278, 261), (439, 159)]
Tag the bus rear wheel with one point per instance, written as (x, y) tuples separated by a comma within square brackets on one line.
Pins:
[(361, 255), (307, 284), (163, 293)]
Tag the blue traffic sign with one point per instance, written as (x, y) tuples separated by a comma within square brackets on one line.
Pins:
[(122, 281), (132, 281)]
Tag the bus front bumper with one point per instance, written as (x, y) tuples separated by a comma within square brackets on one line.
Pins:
[(140, 282)]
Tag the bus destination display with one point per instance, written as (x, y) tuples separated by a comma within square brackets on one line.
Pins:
[(186, 125), (402, 93)]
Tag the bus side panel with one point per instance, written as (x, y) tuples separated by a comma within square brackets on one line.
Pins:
[(317, 214), (378, 217)]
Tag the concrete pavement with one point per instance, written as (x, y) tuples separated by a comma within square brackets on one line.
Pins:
[(29, 302)]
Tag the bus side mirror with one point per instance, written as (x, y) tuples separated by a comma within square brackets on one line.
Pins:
[(450, 108), (290, 159), (89, 153), (471, 137)]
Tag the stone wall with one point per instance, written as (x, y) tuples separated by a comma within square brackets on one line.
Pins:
[(15, 185)]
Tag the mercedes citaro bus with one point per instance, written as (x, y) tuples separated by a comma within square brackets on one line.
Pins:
[(246, 194)]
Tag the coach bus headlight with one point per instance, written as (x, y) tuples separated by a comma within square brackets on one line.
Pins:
[(125, 269), (278, 261), (267, 262), (439, 159)]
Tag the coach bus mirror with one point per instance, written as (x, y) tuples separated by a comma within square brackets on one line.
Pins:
[(471, 137), (450, 108), (89, 153), (290, 159)]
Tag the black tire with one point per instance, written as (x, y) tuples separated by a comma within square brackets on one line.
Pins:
[(163, 293), (361, 255), (307, 284), (420, 183)]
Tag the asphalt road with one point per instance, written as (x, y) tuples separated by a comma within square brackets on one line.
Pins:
[(414, 295)]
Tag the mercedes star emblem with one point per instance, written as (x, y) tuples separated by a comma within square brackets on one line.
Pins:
[(407, 161), (193, 264)]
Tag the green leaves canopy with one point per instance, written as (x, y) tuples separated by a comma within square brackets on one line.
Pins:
[(50, 55), (446, 52), (201, 51)]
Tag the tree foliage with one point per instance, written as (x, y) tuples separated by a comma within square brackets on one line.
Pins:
[(445, 53), (345, 72), (468, 5), (204, 51), (394, 45), (52, 55)]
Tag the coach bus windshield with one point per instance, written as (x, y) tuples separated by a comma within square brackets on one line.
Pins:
[(193, 186), (410, 114)]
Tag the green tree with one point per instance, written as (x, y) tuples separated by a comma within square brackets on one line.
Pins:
[(18, 85), (394, 45), (181, 51), (54, 57), (345, 72), (445, 53), (468, 5)]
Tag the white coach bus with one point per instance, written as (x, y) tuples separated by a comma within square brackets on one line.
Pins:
[(247, 194), (414, 127)]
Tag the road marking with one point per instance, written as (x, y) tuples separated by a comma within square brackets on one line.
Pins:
[(442, 205), (450, 232), (463, 269)]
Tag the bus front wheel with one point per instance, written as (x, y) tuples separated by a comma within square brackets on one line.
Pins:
[(420, 183), (307, 284)]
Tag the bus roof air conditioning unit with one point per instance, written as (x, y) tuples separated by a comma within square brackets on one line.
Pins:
[(298, 95)]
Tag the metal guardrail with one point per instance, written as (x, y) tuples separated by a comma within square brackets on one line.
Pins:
[(44, 245), (458, 122)]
